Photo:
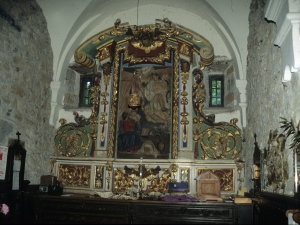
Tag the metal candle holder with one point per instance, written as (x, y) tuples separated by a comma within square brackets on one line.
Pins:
[(141, 173)]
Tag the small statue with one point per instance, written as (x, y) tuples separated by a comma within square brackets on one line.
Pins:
[(185, 66), (146, 40), (80, 119)]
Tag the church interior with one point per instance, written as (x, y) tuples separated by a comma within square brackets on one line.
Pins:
[(149, 112)]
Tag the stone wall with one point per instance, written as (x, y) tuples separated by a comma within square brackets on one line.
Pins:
[(25, 74), (268, 98), (71, 99)]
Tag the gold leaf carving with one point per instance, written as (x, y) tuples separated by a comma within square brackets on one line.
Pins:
[(147, 49), (74, 175)]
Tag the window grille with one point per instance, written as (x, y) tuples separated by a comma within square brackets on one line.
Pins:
[(86, 82), (216, 91)]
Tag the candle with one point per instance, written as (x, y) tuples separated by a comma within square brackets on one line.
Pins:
[(141, 166)]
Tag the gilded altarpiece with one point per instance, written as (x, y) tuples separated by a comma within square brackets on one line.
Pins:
[(147, 105)]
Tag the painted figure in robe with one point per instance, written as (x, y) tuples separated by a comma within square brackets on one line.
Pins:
[(129, 137)]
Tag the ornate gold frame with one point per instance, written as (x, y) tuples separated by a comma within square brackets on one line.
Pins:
[(161, 58)]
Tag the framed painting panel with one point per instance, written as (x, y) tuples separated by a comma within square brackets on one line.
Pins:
[(144, 131)]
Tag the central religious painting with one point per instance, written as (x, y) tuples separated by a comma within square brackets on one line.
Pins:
[(145, 131)]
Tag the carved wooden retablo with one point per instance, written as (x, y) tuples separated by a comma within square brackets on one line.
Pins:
[(208, 186)]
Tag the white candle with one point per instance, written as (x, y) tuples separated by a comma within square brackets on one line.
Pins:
[(141, 170)]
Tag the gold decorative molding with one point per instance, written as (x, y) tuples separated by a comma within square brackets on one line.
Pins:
[(108, 168), (162, 30), (184, 172), (106, 79), (174, 169), (74, 175), (103, 53), (160, 59), (184, 114), (184, 120), (160, 184), (102, 118), (98, 180), (122, 182), (199, 93), (185, 77), (62, 121), (185, 73), (185, 50), (157, 183), (174, 148), (95, 92), (138, 44), (70, 140), (85, 60), (110, 152), (221, 143), (117, 30)]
